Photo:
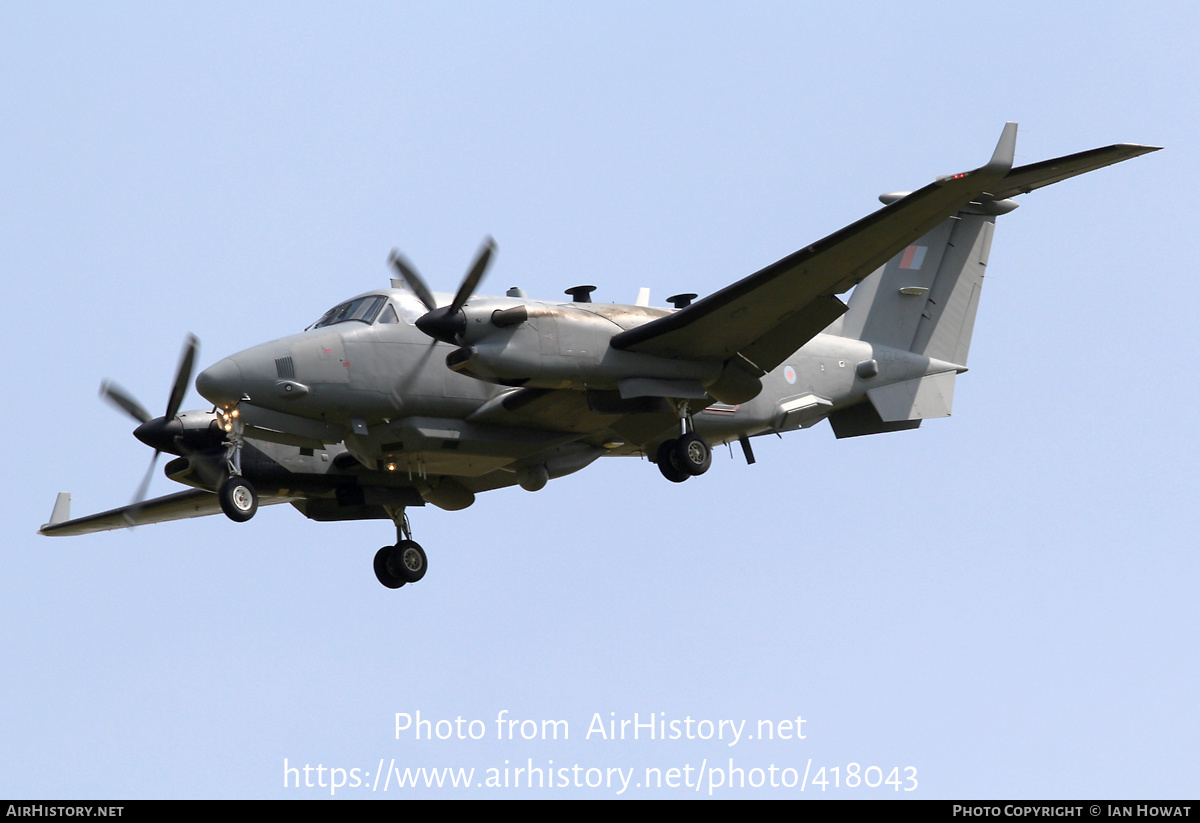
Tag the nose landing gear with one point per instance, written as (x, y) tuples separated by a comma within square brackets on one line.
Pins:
[(238, 499)]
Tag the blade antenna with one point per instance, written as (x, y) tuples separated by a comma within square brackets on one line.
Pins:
[(414, 281)]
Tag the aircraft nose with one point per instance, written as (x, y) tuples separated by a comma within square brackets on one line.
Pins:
[(221, 383)]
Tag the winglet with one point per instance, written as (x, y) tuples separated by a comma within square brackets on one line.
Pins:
[(999, 165), (62, 509), (1006, 150)]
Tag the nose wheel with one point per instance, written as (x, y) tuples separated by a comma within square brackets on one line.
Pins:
[(238, 499)]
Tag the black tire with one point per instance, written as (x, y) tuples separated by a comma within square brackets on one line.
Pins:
[(238, 499), (383, 570), (692, 454), (665, 457), (409, 561)]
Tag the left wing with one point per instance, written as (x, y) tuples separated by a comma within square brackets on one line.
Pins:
[(767, 316), (772, 313), (192, 503)]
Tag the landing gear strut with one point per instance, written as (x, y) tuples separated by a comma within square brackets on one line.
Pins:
[(238, 499), (404, 562)]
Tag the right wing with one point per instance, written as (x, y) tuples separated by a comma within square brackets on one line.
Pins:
[(192, 503)]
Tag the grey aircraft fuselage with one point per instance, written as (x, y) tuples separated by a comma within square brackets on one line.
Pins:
[(384, 391)]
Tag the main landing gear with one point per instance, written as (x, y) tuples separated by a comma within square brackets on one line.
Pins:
[(404, 562), (684, 457), (688, 455)]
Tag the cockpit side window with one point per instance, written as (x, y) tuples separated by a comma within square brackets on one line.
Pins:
[(389, 315), (411, 308)]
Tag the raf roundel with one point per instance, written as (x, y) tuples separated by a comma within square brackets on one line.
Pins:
[(789, 374)]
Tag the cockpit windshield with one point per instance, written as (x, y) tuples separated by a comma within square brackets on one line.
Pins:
[(362, 309)]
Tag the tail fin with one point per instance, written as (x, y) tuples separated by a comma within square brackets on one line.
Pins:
[(924, 300)]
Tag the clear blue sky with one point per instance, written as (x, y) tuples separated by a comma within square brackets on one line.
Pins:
[(1004, 601)]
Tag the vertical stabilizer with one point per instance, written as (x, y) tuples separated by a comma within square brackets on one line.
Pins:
[(948, 318), (924, 300)]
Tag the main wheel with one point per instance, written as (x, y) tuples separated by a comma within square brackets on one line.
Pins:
[(692, 454), (238, 499), (665, 457), (410, 561), (384, 569)]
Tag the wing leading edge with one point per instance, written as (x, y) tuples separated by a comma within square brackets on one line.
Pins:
[(767, 316), (179, 506)]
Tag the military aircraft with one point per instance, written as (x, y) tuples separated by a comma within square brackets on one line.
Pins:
[(401, 397)]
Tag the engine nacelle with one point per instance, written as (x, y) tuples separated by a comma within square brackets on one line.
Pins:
[(558, 347)]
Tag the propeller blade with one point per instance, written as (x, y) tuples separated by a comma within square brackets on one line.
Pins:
[(145, 484), (183, 376), (414, 281), (155, 431), (120, 398), (471, 282)]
